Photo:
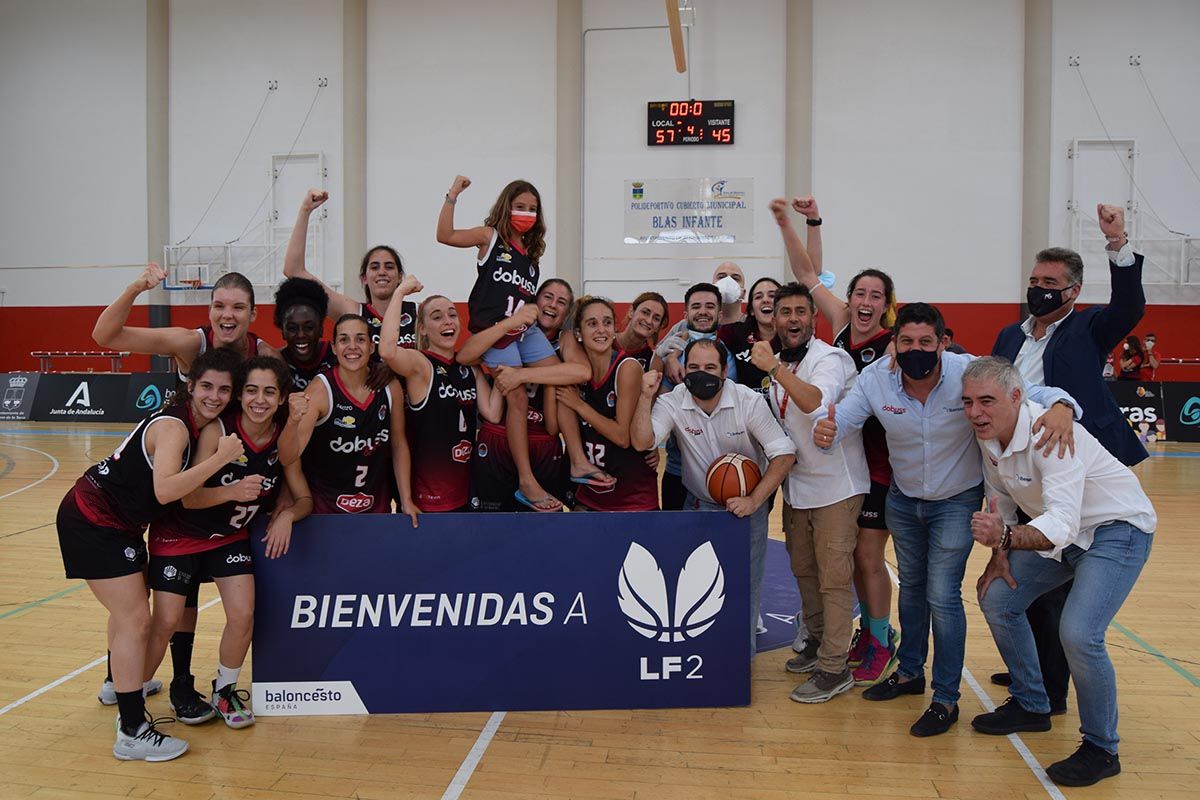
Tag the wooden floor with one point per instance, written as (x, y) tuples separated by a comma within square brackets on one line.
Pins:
[(55, 739)]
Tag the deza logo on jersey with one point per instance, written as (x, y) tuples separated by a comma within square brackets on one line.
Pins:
[(461, 452), (644, 599)]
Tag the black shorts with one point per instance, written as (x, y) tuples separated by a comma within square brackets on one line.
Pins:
[(872, 515), (178, 574), (494, 475), (90, 552)]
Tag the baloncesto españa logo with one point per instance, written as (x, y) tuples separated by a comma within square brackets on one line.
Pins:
[(644, 599)]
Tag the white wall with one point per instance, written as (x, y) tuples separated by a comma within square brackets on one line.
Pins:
[(73, 154), (1104, 34), (465, 87), (736, 51), (917, 111), (223, 53)]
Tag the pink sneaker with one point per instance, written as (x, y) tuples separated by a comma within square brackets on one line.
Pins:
[(879, 663), (859, 645)]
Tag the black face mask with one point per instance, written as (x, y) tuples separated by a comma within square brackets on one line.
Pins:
[(703, 385), (917, 364), (1044, 301), (794, 355)]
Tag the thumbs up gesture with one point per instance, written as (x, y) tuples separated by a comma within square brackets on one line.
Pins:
[(825, 431), (987, 527)]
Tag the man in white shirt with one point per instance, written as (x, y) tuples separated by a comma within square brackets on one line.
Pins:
[(711, 417), (823, 493), (1090, 521)]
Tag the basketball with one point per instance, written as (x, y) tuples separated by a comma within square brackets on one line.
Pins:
[(732, 475)]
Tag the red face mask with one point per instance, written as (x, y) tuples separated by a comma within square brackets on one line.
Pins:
[(522, 221)]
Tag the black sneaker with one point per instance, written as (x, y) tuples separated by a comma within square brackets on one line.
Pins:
[(189, 706), (937, 719), (890, 688), (1089, 764), (1010, 717), (1002, 679), (806, 659), (1059, 708)]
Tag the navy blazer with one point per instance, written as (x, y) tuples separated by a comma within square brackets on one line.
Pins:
[(1077, 351)]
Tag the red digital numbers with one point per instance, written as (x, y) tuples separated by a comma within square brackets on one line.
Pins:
[(686, 109), (664, 136), (722, 135)]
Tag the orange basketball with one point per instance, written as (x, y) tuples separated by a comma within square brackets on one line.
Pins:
[(732, 475)]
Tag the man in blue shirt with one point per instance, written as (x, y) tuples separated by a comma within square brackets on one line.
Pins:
[(937, 484)]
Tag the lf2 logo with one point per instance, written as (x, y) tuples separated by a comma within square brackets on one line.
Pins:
[(699, 594), (1190, 413)]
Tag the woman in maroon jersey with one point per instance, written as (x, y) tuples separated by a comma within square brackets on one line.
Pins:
[(351, 436), (603, 407), (208, 534), (862, 327), (644, 323), (100, 525), (444, 400), (300, 308), (757, 326)]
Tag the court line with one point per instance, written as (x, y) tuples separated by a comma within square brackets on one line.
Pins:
[(43, 479), (1154, 651), (47, 599), (74, 673), (459, 782), (1013, 739), (57, 432)]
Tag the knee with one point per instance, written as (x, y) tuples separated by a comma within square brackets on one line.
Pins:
[(997, 606), (137, 622), (944, 599), (1079, 640)]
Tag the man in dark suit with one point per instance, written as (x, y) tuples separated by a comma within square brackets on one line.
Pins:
[(1059, 346)]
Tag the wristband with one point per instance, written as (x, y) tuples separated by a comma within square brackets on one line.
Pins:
[(451, 200), (771, 372), (1006, 539), (813, 223)]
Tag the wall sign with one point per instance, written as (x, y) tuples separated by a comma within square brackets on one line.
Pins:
[(689, 210)]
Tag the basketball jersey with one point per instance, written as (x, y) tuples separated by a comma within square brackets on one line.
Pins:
[(206, 344), (348, 460), (441, 437), (637, 485), (739, 338), (874, 437), (119, 491), (644, 356), (303, 374), (537, 398), (408, 324), (507, 280), (194, 530)]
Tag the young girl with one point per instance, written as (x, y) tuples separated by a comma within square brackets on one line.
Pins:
[(352, 436), (757, 326), (494, 480), (230, 312), (207, 535), (444, 398), (604, 409), (100, 525), (862, 325), (509, 245), (300, 308), (379, 273)]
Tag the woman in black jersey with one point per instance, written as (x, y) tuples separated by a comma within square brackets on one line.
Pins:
[(300, 308), (207, 535), (102, 517), (351, 435), (644, 323), (444, 400), (757, 326), (379, 273)]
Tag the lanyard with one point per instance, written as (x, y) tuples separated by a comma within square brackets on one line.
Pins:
[(782, 398)]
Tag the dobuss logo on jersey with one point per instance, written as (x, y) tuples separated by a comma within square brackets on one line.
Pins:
[(612, 611)]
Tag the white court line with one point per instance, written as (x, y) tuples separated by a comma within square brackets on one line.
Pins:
[(459, 782), (43, 479), (1013, 738), (60, 681)]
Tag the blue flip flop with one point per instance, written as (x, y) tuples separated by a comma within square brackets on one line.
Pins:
[(523, 500), (590, 480)]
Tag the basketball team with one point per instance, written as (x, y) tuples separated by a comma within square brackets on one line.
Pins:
[(552, 402)]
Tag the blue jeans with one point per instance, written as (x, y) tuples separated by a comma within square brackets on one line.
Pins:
[(1104, 575), (758, 555), (933, 540)]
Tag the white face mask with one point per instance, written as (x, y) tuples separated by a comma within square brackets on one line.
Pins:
[(731, 290)]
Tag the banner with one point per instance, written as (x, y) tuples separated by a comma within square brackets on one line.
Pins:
[(1142, 405), (1182, 410), (19, 391), (689, 210), (493, 612), (81, 397)]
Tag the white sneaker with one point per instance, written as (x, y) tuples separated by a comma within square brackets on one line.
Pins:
[(108, 692), (148, 744), (761, 629)]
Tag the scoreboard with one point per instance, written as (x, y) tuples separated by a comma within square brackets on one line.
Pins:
[(687, 122)]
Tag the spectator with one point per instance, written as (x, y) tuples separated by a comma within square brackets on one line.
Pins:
[(1132, 359), (951, 345)]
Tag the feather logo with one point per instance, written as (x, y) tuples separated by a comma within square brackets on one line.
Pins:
[(699, 594)]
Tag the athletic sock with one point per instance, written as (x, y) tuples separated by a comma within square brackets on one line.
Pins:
[(879, 628), (108, 668), (181, 652), (226, 676), (132, 708)]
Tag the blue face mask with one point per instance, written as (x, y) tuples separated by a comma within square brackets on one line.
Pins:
[(697, 335)]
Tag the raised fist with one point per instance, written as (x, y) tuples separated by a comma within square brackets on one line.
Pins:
[(1112, 221), (763, 356), (779, 211), (151, 276), (650, 381), (248, 488), (410, 285), (807, 206), (297, 406), (461, 182), (314, 199), (229, 448)]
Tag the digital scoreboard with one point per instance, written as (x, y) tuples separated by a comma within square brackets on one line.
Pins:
[(683, 122)]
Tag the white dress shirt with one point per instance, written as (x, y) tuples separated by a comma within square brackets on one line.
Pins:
[(1067, 499), (741, 423), (820, 478)]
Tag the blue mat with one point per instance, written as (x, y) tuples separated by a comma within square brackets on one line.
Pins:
[(780, 600)]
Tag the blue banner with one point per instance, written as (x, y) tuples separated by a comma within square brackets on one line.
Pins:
[(484, 612)]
